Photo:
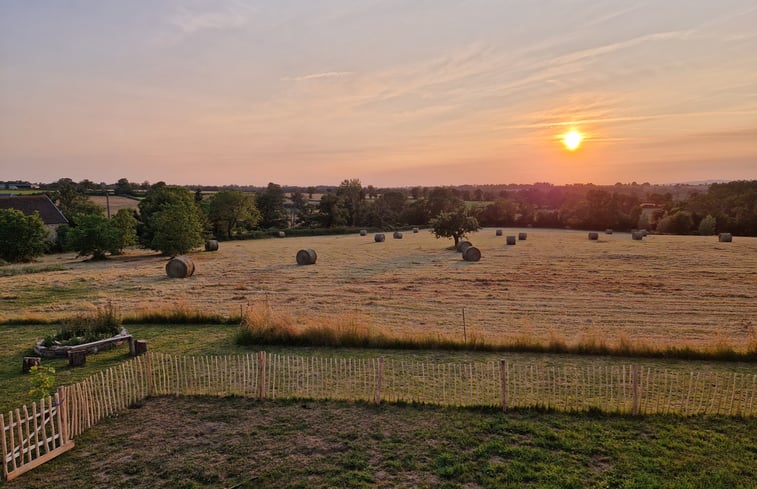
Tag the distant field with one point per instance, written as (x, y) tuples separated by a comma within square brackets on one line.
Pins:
[(666, 290), (117, 202)]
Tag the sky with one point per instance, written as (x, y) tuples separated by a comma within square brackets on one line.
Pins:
[(392, 92)]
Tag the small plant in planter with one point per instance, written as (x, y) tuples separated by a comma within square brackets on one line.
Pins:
[(104, 323)]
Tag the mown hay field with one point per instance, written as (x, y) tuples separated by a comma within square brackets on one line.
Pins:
[(115, 202), (665, 290)]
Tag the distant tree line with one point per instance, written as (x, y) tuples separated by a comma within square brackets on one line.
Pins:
[(176, 219)]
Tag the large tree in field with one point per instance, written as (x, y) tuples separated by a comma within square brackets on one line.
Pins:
[(229, 210), (171, 221), (97, 235), (22, 237), (455, 224), (177, 229), (91, 236), (353, 195)]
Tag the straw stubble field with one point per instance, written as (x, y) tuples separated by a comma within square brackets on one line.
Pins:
[(664, 290)]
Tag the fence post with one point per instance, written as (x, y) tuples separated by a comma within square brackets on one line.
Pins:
[(503, 382), (635, 389), (379, 380), (62, 415), (261, 376), (148, 373)]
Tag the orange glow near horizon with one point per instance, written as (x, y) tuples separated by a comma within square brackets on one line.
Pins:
[(572, 140)]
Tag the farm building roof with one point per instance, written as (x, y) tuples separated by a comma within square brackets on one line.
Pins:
[(28, 204)]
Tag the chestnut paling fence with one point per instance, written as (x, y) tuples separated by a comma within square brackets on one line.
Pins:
[(30, 437)]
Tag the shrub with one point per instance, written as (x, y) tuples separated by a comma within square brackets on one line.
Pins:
[(42, 380), (22, 237)]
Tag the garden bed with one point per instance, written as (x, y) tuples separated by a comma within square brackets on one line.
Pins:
[(61, 351)]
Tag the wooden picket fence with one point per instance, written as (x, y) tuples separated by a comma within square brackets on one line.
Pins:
[(30, 438)]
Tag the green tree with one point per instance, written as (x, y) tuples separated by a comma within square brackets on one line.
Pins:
[(353, 198), (177, 229), (231, 209), (680, 222), (388, 209), (161, 203), (455, 224), (499, 213), (22, 237), (124, 229), (442, 199), (708, 226), (91, 236), (124, 187), (331, 211), (270, 203), (97, 235)]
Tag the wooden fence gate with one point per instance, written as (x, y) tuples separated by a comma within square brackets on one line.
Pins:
[(29, 439)]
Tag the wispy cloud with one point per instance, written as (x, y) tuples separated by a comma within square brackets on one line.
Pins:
[(232, 16), (318, 76)]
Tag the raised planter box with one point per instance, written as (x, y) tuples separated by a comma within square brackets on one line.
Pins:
[(61, 351)]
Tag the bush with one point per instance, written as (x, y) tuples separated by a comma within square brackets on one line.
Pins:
[(22, 237), (42, 381)]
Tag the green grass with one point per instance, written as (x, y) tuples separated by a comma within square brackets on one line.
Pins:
[(234, 442), (219, 339)]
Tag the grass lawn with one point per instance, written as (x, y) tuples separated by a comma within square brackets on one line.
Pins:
[(242, 443), (233, 442)]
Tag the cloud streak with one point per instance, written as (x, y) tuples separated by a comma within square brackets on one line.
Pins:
[(318, 76), (188, 22)]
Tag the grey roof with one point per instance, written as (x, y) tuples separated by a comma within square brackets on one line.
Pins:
[(41, 203)]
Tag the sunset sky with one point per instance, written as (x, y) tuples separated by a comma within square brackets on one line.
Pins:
[(395, 93)]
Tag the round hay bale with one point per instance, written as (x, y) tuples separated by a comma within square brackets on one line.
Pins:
[(593, 236), (379, 237), (511, 240), (415, 230), (608, 231), (522, 236), (363, 232), (725, 237), (498, 232), (211, 245), (637, 235), (180, 267), (460, 244), (397, 235), (471, 253), (306, 257), (282, 234), (465, 245)]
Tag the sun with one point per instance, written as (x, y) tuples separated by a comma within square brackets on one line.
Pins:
[(572, 140)]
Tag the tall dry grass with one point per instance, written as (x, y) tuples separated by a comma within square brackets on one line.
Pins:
[(262, 325)]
